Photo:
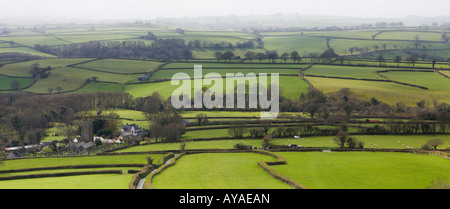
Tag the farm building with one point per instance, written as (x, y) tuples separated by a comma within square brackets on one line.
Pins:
[(131, 130), (18, 153), (77, 147), (143, 78)]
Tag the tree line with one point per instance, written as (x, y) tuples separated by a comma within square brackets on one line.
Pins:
[(164, 49), (273, 56)]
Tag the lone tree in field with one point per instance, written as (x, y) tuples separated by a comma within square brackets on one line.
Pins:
[(202, 118), (416, 41), (266, 140), (341, 139), (380, 59), (187, 54), (14, 85), (179, 30), (435, 143), (412, 59), (237, 129), (59, 89), (398, 59), (329, 54), (376, 47), (218, 56)]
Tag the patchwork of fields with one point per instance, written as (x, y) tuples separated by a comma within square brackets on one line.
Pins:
[(388, 81)]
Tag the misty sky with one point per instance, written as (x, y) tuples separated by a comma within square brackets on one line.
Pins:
[(141, 9)]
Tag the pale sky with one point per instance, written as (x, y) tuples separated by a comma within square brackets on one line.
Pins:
[(142, 9)]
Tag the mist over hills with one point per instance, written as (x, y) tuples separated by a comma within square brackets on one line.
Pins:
[(236, 22)]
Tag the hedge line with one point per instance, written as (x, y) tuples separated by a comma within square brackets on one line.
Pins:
[(140, 175), (75, 173), (266, 166), (71, 167), (438, 71), (149, 185)]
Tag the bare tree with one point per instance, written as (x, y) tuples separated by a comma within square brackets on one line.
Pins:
[(218, 56), (398, 59), (380, 59), (15, 85), (416, 41)]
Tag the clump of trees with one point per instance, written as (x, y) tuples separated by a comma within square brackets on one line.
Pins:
[(164, 49), (15, 56), (24, 118), (342, 139), (107, 126), (150, 36), (237, 129), (38, 72), (167, 126)]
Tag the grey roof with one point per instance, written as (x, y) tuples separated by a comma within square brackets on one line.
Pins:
[(127, 128), (87, 145), (83, 145)]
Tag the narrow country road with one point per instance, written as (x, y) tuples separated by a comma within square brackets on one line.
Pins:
[(141, 182)]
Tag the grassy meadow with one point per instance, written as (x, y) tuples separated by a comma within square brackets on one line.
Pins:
[(363, 170), (316, 170), (229, 171)]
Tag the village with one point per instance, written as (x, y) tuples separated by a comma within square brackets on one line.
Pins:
[(86, 144)]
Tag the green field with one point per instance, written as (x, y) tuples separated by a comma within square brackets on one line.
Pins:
[(363, 170), (410, 35), (100, 87), (389, 93), (218, 171), (121, 66), (371, 141), (92, 160), (315, 170), (302, 44), (105, 181), (211, 144), (437, 84), (98, 181), (345, 71), (23, 68), (290, 87), (5, 82), (167, 74)]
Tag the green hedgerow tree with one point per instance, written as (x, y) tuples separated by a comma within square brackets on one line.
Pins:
[(341, 139), (435, 143)]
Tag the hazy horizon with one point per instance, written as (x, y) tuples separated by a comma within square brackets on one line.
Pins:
[(142, 9)]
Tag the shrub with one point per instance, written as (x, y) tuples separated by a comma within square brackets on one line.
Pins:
[(149, 160), (426, 147), (439, 184), (434, 142), (341, 138), (266, 140), (241, 146)]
